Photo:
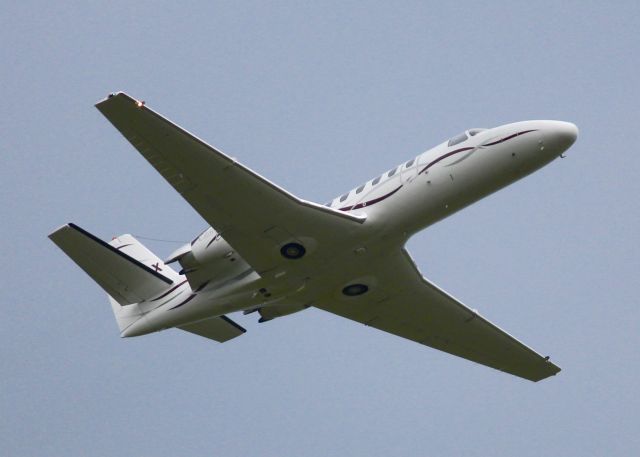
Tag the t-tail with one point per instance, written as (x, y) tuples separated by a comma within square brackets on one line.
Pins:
[(127, 271)]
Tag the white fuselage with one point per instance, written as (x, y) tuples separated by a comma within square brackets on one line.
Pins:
[(399, 203)]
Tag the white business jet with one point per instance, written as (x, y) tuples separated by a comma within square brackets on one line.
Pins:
[(271, 252)]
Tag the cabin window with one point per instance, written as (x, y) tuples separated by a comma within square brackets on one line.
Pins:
[(376, 181), (392, 172), (409, 163), (359, 189), (457, 139), (344, 197)]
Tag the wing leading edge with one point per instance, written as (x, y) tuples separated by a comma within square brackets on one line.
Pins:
[(410, 306)]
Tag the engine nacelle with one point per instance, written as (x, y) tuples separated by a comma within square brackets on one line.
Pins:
[(208, 248), (210, 252)]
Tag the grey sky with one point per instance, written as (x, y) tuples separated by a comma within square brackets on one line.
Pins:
[(320, 98)]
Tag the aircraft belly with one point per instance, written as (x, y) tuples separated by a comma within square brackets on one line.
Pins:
[(194, 305), (445, 189)]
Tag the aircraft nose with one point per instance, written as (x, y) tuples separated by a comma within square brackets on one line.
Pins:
[(559, 136)]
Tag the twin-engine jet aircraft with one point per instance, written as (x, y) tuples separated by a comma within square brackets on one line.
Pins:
[(271, 252)]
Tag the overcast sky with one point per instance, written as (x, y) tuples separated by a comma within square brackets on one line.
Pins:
[(320, 98)]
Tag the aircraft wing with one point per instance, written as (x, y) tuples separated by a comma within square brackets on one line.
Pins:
[(254, 215), (408, 305)]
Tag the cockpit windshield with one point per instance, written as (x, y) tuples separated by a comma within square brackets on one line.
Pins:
[(463, 136), (457, 139)]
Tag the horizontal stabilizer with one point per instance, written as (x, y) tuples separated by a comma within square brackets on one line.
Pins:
[(125, 278), (219, 329)]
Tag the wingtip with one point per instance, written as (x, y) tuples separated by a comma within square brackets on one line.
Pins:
[(110, 95), (118, 94), (62, 227), (553, 370)]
